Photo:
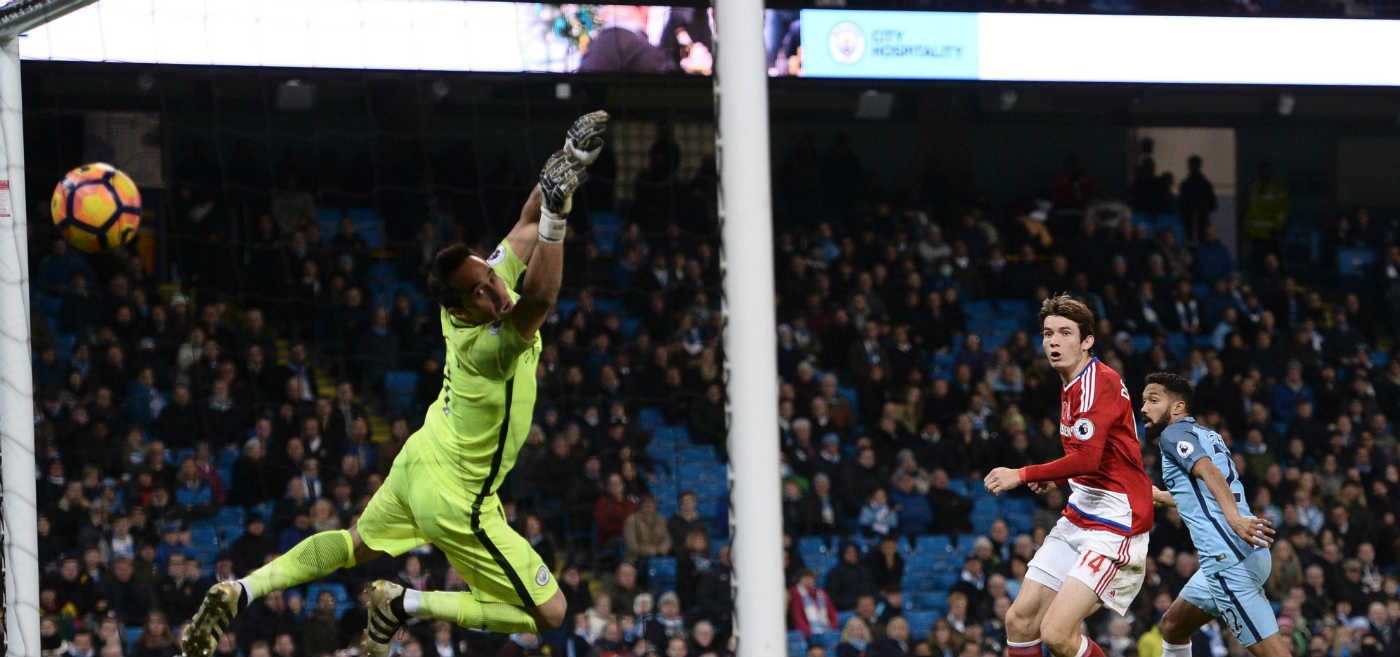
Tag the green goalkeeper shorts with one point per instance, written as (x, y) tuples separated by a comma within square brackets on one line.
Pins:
[(410, 509)]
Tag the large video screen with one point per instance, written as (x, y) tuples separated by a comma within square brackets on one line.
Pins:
[(1098, 48), (436, 35), (457, 35)]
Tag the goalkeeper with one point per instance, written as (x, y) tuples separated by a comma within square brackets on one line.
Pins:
[(442, 486)]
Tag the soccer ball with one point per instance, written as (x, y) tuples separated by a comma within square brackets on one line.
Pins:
[(96, 207)]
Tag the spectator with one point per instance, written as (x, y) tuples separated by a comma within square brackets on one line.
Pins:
[(811, 608), (896, 643), (1196, 199), (319, 633), (668, 625), (156, 639), (885, 565), (686, 520), (855, 638), (849, 579), (645, 532), (611, 512), (877, 517)]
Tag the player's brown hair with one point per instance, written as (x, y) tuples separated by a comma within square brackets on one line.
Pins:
[(445, 263), (1069, 308)]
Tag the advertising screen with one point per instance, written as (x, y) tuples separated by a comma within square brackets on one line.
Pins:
[(456, 35)]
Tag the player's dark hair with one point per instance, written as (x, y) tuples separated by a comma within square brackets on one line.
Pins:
[(1069, 308), (445, 263), (1175, 385)]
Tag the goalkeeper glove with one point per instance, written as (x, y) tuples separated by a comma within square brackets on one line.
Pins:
[(559, 179), (584, 141)]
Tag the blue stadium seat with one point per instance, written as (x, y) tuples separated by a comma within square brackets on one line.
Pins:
[(398, 387), (810, 545), (228, 534), (917, 580), (607, 227), (48, 305), (993, 340), (930, 600), (565, 307), (230, 515), (842, 617), (1018, 505), (381, 275), (827, 640), (1015, 308), (131, 633), (204, 532), (932, 545), (820, 564), (63, 344), (921, 623), (796, 644), (980, 325), (607, 306), (649, 418), (979, 309), (661, 572), (1176, 345), (366, 220), (1354, 263), (1020, 523), (959, 486)]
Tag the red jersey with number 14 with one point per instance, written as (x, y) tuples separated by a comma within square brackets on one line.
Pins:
[(1109, 490)]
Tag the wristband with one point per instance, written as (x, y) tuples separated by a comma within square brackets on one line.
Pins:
[(552, 228)]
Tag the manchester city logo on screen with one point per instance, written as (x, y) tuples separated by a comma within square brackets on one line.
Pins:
[(847, 42)]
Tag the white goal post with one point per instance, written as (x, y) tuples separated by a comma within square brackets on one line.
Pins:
[(19, 520), (750, 333)]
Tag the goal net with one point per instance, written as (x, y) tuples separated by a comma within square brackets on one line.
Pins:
[(306, 201)]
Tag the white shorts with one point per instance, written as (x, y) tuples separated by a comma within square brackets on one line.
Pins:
[(1111, 564)]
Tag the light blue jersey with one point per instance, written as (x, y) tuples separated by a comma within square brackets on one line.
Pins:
[(1230, 582), (1183, 444)]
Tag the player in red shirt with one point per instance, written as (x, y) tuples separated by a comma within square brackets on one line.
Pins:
[(1097, 553)]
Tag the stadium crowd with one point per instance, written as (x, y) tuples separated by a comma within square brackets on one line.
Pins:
[(188, 432)]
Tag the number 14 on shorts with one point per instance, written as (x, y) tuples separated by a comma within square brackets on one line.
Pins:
[(1094, 561)]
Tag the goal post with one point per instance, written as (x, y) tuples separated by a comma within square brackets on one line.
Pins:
[(750, 333), (18, 517)]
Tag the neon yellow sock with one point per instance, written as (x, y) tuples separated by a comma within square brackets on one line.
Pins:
[(466, 611), (314, 557)]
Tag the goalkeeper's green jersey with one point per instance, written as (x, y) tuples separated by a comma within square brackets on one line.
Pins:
[(475, 428)]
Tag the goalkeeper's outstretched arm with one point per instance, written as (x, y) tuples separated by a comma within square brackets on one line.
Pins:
[(582, 144), (523, 236)]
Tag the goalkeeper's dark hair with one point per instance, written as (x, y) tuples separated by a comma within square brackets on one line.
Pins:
[(445, 263), (1176, 385)]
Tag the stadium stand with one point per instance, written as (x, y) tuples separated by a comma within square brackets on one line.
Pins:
[(190, 428)]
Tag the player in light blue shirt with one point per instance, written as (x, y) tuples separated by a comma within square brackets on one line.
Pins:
[(1232, 543)]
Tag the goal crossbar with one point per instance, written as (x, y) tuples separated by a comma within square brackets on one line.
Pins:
[(21, 15)]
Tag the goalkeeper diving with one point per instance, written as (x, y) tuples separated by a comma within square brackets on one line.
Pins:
[(442, 486)]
